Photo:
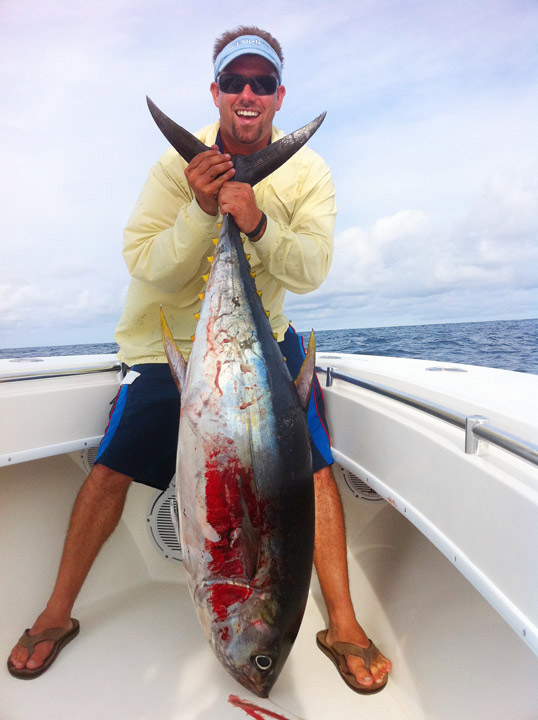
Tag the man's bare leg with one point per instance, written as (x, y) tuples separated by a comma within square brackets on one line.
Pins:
[(330, 558), (95, 515)]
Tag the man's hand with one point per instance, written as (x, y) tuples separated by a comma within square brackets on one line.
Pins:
[(238, 199), (206, 174)]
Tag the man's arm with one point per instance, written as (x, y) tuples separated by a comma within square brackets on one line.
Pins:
[(295, 243), (174, 221), (169, 233)]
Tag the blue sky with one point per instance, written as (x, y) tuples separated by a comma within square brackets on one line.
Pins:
[(431, 134)]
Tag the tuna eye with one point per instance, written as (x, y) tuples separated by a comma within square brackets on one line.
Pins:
[(262, 662)]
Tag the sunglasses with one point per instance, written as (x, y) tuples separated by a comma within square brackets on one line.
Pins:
[(259, 84)]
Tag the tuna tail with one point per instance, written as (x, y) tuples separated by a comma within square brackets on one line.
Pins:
[(186, 144), (305, 378), (177, 364), (249, 168), (253, 168)]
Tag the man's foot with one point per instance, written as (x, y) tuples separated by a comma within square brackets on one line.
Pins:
[(366, 668), (23, 659)]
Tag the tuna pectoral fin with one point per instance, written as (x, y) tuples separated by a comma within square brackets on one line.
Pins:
[(305, 378), (178, 366), (250, 541)]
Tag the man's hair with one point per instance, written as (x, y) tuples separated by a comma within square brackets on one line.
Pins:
[(228, 36)]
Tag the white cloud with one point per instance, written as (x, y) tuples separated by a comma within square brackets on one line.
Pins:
[(405, 264)]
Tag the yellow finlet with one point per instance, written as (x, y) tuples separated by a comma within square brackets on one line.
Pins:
[(253, 274), (267, 313), (248, 256), (192, 338), (275, 336), (197, 316), (201, 296), (215, 241), (210, 258), (205, 278), (259, 293)]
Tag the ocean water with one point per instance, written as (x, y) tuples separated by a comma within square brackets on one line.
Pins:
[(507, 344)]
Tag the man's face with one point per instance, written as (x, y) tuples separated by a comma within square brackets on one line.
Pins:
[(246, 119)]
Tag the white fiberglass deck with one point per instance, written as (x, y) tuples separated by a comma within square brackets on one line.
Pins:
[(142, 656)]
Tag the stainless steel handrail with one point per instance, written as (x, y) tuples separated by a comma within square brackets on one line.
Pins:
[(476, 426), (36, 375)]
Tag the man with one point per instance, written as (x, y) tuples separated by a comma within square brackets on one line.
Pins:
[(289, 221)]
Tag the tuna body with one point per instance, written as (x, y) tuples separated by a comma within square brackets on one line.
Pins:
[(245, 491)]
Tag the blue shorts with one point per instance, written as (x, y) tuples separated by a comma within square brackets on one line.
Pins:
[(140, 440)]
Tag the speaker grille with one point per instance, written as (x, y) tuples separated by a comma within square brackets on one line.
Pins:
[(88, 458), (161, 522), (358, 487)]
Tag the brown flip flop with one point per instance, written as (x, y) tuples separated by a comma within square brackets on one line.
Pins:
[(337, 652), (59, 636)]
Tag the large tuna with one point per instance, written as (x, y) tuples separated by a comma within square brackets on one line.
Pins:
[(245, 491)]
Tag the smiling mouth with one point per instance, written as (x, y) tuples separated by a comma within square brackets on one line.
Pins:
[(243, 113)]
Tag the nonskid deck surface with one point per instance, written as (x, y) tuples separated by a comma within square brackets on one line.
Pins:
[(141, 655)]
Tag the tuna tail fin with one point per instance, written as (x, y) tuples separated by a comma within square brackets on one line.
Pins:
[(180, 139), (253, 168), (178, 366), (249, 168), (305, 378)]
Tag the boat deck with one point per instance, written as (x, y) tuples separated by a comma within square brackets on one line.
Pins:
[(141, 654)]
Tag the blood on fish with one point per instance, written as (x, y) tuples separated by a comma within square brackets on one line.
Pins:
[(229, 490), (222, 596), (219, 365)]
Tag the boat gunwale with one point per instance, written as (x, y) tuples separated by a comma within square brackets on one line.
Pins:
[(476, 426)]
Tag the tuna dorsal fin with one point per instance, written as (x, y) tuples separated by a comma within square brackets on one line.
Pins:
[(180, 139), (305, 378), (249, 168), (178, 366)]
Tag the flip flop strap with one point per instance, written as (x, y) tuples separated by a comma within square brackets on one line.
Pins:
[(30, 641), (367, 654)]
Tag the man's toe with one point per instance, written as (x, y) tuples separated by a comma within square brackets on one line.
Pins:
[(356, 666), (41, 651)]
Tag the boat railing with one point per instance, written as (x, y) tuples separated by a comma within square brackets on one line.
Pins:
[(40, 374), (476, 427)]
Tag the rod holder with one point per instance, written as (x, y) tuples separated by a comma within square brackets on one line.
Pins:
[(472, 444)]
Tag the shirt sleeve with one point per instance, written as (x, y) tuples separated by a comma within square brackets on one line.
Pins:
[(297, 250), (168, 235)]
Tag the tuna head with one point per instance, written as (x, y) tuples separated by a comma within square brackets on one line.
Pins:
[(249, 636)]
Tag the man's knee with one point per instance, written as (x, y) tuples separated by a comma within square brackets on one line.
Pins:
[(106, 481), (324, 476)]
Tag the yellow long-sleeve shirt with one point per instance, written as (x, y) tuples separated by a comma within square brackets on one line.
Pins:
[(169, 237)]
